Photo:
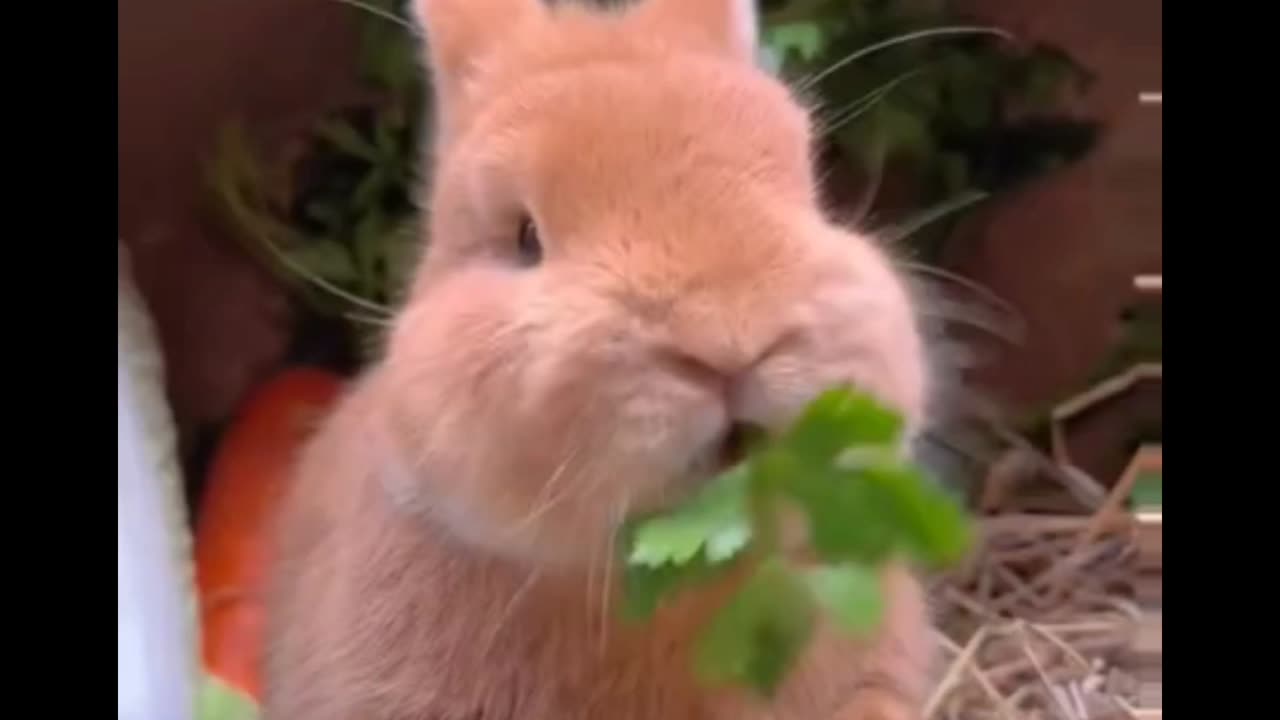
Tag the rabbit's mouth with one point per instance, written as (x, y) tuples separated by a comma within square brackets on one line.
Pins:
[(733, 446), (726, 451)]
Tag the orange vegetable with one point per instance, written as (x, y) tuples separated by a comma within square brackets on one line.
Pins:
[(233, 527)]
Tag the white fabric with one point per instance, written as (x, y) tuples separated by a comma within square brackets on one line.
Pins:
[(155, 655)]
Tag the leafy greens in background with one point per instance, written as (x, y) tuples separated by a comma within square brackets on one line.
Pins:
[(337, 220), (960, 109)]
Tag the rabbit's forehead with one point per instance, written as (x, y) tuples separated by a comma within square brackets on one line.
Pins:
[(700, 103), (614, 129)]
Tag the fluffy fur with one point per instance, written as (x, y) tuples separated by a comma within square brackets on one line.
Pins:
[(446, 551)]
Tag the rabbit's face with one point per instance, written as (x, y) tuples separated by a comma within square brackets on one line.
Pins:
[(627, 262)]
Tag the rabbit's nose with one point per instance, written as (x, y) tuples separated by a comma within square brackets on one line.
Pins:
[(723, 368), (717, 377), (718, 369)]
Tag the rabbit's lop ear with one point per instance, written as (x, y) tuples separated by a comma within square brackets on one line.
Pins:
[(460, 36), (726, 26)]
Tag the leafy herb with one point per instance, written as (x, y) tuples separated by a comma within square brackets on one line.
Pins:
[(865, 505), (716, 522), (850, 592), (761, 631), (216, 700)]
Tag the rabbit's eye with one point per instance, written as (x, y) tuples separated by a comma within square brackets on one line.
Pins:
[(528, 244)]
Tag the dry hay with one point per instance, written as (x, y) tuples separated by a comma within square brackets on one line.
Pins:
[(1039, 624)]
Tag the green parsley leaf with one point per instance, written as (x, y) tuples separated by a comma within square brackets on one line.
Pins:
[(851, 592), (758, 634), (716, 521)]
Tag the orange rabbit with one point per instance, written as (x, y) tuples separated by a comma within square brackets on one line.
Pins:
[(627, 259)]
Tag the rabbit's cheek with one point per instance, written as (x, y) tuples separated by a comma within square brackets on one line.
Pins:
[(665, 425)]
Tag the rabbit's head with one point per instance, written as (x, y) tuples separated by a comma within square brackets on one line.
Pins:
[(627, 261)]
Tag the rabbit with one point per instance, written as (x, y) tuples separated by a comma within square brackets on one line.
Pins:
[(628, 262)]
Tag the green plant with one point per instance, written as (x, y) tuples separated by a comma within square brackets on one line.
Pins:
[(216, 700), (338, 222), (912, 87), (864, 503)]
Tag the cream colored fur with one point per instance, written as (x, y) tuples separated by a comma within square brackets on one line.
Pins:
[(446, 551)]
